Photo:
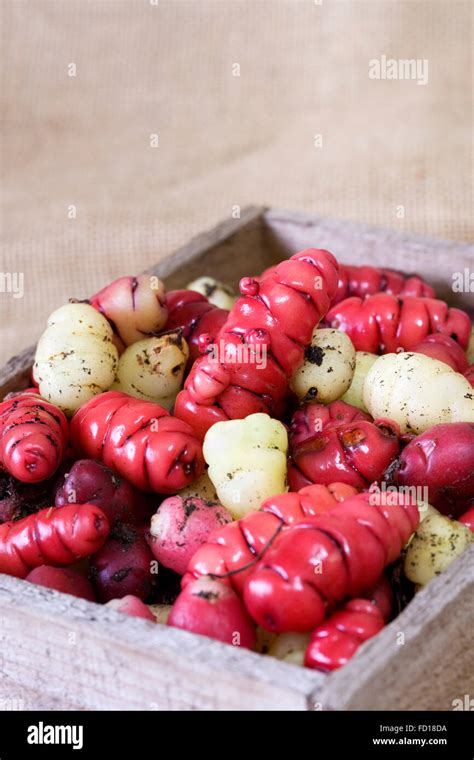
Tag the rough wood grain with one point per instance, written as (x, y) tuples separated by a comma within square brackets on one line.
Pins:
[(86, 656), (436, 260), (60, 652)]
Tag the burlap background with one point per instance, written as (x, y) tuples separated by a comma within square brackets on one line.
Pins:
[(167, 69)]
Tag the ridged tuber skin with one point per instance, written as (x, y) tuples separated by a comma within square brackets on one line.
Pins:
[(124, 565), (133, 606), (211, 608), (153, 369), (89, 481), (354, 394), (356, 452), (366, 280), (63, 579), (232, 551), (193, 313), (437, 542), (217, 293), (138, 440), (247, 461), (33, 437), (441, 460), (135, 307), (54, 536), (417, 392), (75, 358), (328, 368), (261, 344), (384, 324), (312, 419), (181, 526), (444, 349), (337, 639), (317, 563)]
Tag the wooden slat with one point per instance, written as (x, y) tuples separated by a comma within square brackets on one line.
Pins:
[(83, 655), (436, 260)]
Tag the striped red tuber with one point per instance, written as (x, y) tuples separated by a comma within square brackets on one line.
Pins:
[(54, 536), (384, 323), (33, 437), (261, 344), (139, 440), (317, 563)]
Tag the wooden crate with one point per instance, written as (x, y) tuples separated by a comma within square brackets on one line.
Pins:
[(58, 652)]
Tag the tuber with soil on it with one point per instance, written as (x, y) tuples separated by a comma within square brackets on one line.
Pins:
[(33, 437), (181, 526), (356, 452), (211, 608), (124, 565), (272, 324)]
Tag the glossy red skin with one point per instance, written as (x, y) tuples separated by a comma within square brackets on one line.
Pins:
[(444, 349), (91, 482), (469, 374), (287, 591), (356, 452), (211, 608), (31, 452), (53, 536), (192, 312), (62, 579), (442, 459), (133, 606), (380, 595), (278, 312), (230, 552), (139, 440), (336, 640), (384, 323), (467, 519), (366, 281), (312, 419), (123, 566)]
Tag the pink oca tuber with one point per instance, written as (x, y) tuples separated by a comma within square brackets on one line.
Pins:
[(181, 526), (133, 606)]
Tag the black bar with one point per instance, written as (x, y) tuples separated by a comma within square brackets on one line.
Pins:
[(307, 735)]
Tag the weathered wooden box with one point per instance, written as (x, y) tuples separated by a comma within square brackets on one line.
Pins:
[(58, 652)]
